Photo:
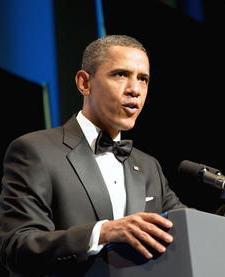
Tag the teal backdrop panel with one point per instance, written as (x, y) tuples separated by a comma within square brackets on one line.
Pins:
[(28, 48)]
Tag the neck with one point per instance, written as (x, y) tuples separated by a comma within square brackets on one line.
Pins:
[(111, 132)]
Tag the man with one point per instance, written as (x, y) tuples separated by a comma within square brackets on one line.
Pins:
[(64, 198)]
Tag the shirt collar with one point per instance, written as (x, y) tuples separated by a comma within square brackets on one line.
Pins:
[(90, 130)]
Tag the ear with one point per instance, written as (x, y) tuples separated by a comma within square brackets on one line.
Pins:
[(82, 81)]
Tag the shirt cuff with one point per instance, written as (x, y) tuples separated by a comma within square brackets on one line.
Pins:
[(95, 248)]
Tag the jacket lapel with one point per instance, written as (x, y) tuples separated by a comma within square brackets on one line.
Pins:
[(135, 186), (82, 159)]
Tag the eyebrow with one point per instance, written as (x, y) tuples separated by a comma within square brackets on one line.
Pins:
[(129, 71)]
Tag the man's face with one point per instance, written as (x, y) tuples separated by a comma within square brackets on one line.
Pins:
[(118, 89)]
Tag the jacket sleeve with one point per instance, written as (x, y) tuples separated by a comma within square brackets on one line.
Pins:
[(27, 231)]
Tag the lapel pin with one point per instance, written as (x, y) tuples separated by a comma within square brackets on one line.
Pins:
[(136, 168)]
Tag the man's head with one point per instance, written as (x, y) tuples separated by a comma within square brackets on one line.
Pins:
[(114, 82), (95, 53)]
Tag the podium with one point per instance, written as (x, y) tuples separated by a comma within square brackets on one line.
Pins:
[(198, 250)]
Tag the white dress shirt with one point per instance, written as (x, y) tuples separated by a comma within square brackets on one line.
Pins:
[(113, 174)]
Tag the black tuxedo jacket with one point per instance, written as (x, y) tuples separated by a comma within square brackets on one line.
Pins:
[(53, 194)]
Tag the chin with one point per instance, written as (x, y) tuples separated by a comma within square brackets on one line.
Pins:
[(127, 126)]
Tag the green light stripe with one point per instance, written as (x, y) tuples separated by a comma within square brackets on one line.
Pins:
[(47, 114), (171, 3)]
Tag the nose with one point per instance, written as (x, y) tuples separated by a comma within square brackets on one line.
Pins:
[(133, 88)]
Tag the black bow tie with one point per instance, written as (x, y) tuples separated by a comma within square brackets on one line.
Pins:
[(121, 149)]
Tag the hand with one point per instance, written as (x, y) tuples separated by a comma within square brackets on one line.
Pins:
[(140, 230)]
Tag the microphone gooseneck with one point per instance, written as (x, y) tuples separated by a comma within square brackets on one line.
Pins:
[(202, 173)]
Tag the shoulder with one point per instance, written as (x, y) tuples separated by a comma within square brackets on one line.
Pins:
[(45, 136), (146, 161), (37, 137), (143, 156), (41, 141)]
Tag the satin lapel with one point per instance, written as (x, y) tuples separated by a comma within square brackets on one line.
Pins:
[(87, 169), (82, 159), (135, 186)]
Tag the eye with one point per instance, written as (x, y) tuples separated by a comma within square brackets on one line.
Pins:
[(144, 78), (121, 73)]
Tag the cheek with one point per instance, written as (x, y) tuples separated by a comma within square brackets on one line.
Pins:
[(106, 103), (107, 97), (111, 98), (144, 96)]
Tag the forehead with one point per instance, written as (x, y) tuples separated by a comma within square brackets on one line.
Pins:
[(126, 57)]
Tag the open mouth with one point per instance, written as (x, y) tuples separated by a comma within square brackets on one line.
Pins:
[(130, 108), (130, 105)]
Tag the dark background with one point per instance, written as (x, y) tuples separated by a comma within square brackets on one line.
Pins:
[(21, 109)]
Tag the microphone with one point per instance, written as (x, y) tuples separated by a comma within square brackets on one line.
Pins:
[(202, 173)]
